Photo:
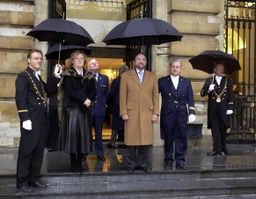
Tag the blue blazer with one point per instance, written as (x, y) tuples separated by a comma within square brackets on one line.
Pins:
[(99, 106), (176, 100)]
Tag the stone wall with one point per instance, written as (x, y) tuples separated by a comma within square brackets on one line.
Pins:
[(16, 19), (199, 22)]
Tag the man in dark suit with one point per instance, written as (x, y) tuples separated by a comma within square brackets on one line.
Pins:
[(220, 105), (117, 122), (176, 92), (99, 106), (31, 104)]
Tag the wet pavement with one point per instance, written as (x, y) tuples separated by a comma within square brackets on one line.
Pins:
[(243, 156)]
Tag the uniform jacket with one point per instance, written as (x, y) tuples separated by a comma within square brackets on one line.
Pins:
[(226, 102), (140, 102), (99, 107), (30, 103), (176, 100)]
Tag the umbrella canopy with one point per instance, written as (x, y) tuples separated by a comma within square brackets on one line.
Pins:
[(142, 31), (56, 53), (206, 61), (61, 31)]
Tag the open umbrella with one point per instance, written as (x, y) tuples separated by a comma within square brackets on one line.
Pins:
[(53, 52), (61, 31), (206, 61), (142, 31)]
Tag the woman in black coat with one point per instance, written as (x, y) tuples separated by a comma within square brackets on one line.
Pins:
[(78, 85)]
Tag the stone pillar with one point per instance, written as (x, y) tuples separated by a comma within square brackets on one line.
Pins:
[(159, 60), (41, 11)]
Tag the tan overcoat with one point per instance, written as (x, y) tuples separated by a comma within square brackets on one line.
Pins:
[(140, 102)]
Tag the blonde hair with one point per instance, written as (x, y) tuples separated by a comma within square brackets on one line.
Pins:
[(74, 55)]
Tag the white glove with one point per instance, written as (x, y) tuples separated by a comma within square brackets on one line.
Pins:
[(191, 118), (229, 112), (27, 125), (57, 70), (211, 87)]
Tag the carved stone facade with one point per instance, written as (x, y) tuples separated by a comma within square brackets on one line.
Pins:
[(17, 18), (198, 21)]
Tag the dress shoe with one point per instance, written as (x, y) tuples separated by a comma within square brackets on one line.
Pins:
[(110, 146), (144, 169), (79, 167), (102, 158), (168, 166), (25, 189), (225, 151), (84, 157), (181, 167), (38, 185), (130, 169), (213, 153)]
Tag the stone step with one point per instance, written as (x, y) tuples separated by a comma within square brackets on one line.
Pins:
[(172, 184)]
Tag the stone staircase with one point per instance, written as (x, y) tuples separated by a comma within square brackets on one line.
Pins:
[(192, 184)]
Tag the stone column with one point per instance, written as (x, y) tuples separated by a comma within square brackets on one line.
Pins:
[(159, 60), (41, 11)]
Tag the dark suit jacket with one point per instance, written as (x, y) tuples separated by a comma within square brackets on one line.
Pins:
[(226, 99), (31, 106), (99, 106), (78, 90), (175, 101), (118, 122)]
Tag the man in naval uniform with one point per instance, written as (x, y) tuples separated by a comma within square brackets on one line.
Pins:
[(177, 93)]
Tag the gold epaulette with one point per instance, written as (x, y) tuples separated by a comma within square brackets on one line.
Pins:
[(22, 111)]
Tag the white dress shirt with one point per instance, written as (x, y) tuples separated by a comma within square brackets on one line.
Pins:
[(218, 79), (175, 81)]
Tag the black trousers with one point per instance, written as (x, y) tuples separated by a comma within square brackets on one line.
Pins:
[(30, 161), (137, 156), (218, 131)]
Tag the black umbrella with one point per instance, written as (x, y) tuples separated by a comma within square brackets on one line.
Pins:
[(207, 60), (61, 31), (54, 52), (142, 31)]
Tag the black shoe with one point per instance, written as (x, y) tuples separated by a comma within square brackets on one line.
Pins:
[(225, 151), (102, 158), (110, 146), (50, 150), (181, 167), (130, 169), (25, 189), (144, 169), (84, 157), (38, 185), (213, 153), (168, 165), (79, 167)]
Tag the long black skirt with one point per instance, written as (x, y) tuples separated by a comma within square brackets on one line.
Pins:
[(75, 131)]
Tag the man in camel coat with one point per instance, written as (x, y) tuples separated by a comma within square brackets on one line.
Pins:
[(139, 108)]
